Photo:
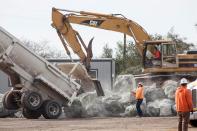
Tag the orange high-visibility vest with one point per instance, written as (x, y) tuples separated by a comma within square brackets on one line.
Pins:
[(139, 93)]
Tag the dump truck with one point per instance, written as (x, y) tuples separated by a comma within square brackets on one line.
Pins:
[(38, 87)]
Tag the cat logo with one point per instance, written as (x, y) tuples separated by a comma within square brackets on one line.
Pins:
[(94, 23)]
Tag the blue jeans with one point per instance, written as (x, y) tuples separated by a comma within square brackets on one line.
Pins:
[(139, 111)]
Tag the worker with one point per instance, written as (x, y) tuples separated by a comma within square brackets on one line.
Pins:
[(139, 95), (157, 54), (183, 99)]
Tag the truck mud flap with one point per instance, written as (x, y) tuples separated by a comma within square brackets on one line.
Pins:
[(98, 87)]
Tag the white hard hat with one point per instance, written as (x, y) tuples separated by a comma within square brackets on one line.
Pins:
[(183, 81), (140, 83)]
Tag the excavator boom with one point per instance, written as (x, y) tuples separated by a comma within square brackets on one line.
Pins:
[(169, 61), (113, 22), (65, 30)]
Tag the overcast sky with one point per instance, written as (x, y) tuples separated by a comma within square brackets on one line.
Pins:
[(31, 19)]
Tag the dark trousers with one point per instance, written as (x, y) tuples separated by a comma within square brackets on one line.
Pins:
[(139, 111), (183, 121)]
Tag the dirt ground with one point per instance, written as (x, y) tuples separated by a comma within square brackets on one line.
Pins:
[(92, 124)]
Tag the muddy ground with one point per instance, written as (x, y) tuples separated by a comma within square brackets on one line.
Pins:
[(92, 124)]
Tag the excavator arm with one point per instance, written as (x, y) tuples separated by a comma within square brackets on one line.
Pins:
[(113, 22)]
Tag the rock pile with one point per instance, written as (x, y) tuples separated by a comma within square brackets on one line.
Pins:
[(119, 101)]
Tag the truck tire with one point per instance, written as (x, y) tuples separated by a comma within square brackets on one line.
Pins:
[(9, 100), (31, 100), (193, 123), (30, 114), (51, 109)]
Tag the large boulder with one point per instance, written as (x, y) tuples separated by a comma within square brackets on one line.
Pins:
[(92, 105), (113, 106), (96, 109), (162, 107), (124, 83), (127, 99), (169, 88), (76, 110), (130, 111), (152, 94), (87, 98), (166, 106), (123, 86), (153, 108)]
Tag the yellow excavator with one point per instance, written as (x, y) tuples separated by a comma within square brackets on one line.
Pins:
[(169, 61)]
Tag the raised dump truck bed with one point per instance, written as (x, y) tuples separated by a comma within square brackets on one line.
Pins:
[(39, 88)]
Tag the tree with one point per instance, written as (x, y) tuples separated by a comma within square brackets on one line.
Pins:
[(181, 43), (132, 62), (107, 52), (156, 37), (43, 49)]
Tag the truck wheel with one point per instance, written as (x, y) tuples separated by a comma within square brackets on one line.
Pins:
[(30, 114), (193, 123), (51, 109), (9, 100), (31, 100)]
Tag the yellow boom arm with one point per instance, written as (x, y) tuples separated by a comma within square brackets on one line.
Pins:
[(111, 22)]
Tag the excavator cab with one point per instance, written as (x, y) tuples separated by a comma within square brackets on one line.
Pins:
[(158, 55)]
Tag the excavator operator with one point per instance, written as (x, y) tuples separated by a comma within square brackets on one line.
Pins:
[(154, 58), (157, 54)]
